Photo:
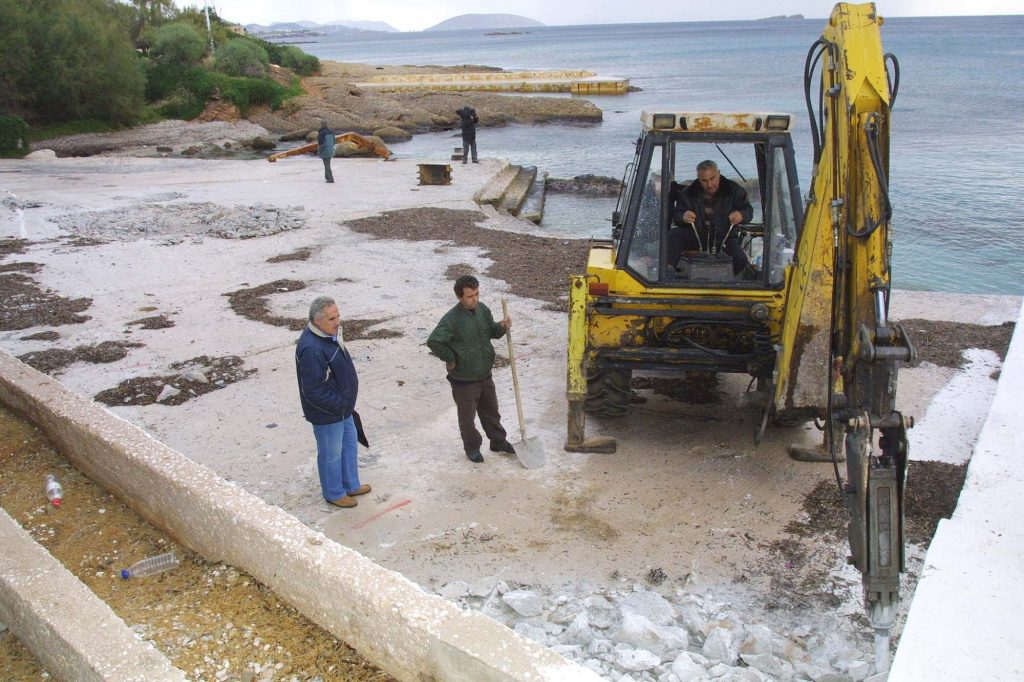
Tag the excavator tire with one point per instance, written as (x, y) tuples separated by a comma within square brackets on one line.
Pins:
[(608, 393)]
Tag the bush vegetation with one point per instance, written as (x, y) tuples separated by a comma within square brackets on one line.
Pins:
[(178, 43), (13, 137), (108, 62), (242, 58)]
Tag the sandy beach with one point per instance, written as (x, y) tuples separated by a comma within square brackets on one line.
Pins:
[(224, 256)]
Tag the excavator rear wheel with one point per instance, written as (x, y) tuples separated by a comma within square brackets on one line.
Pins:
[(608, 392)]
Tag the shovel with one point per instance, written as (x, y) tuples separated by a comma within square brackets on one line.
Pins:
[(529, 451)]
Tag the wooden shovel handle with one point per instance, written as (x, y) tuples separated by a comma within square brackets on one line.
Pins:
[(515, 375)]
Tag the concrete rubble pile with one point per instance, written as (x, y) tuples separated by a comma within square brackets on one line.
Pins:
[(636, 635), (172, 223)]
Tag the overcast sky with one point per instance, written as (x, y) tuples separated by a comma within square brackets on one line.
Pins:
[(416, 15)]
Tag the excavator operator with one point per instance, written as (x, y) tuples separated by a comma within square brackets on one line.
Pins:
[(706, 213)]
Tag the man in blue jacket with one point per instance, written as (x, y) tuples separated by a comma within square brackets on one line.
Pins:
[(328, 387), (325, 148), (463, 340)]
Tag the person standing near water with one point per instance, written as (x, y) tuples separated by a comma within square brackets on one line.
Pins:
[(468, 120), (325, 148)]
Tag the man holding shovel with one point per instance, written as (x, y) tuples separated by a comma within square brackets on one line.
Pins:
[(463, 340)]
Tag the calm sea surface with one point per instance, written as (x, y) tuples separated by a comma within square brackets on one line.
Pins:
[(957, 166)]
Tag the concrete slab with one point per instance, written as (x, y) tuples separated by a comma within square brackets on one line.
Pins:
[(964, 622)]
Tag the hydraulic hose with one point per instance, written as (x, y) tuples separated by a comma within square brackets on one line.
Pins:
[(894, 78), (875, 151), (818, 47)]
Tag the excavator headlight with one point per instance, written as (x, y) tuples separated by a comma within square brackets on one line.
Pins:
[(777, 123), (663, 121)]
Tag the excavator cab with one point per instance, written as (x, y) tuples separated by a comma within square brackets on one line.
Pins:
[(717, 304), (747, 152)]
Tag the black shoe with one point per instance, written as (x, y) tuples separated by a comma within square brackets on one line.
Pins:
[(475, 161), (504, 446), (475, 457)]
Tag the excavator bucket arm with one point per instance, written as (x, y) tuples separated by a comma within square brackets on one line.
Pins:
[(839, 353)]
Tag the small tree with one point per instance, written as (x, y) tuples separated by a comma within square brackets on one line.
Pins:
[(13, 137), (241, 57), (177, 43)]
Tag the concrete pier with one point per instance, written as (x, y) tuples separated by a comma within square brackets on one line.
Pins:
[(574, 82)]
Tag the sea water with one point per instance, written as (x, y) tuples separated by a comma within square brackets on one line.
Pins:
[(957, 137)]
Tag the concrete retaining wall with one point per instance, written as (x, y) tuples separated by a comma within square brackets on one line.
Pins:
[(70, 630), (410, 634), (964, 622)]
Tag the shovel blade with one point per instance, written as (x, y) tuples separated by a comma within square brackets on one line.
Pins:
[(530, 453)]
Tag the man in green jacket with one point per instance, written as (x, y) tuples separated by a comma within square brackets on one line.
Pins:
[(463, 340)]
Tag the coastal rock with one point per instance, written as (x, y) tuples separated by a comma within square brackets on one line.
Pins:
[(586, 185), (143, 140), (301, 134), (392, 134), (331, 95), (261, 143), (42, 154), (219, 110)]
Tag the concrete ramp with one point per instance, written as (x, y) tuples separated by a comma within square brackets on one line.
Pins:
[(515, 191)]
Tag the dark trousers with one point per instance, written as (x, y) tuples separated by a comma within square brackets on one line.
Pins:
[(328, 175), (478, 398), (468, 143)]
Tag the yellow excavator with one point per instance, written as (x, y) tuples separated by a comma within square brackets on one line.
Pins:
[(794, 294)]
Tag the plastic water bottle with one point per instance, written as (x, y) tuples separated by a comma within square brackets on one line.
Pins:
[(54, 493), (151, 566)]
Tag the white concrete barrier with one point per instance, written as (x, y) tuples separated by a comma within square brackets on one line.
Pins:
[(408, 633), (965, 620), (70, 630)]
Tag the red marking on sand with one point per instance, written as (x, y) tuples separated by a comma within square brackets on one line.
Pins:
[(371, 519)]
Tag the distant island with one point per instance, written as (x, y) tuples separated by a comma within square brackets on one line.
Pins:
[(782, 16), (281, 29), (465, 22)]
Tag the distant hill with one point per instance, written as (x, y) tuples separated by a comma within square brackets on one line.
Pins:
[(782, 16), (311, 27), (465, 22), (366, 25)]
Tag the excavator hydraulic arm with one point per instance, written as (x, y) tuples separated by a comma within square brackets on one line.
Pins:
[(840, 354)]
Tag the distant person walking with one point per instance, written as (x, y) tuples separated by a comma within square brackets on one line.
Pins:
[(463, 340), (468, 120), (328, 387), (325, 148)]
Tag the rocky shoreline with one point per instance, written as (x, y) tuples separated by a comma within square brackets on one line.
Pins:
[(222, 131)]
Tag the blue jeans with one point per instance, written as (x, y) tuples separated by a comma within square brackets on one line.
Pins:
[(337, 458)]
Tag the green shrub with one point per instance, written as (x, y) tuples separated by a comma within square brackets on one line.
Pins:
[(289, 56), (182, 91), (13, 137), (177, 43), (298, 61), (68, 59), (242, 58)]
